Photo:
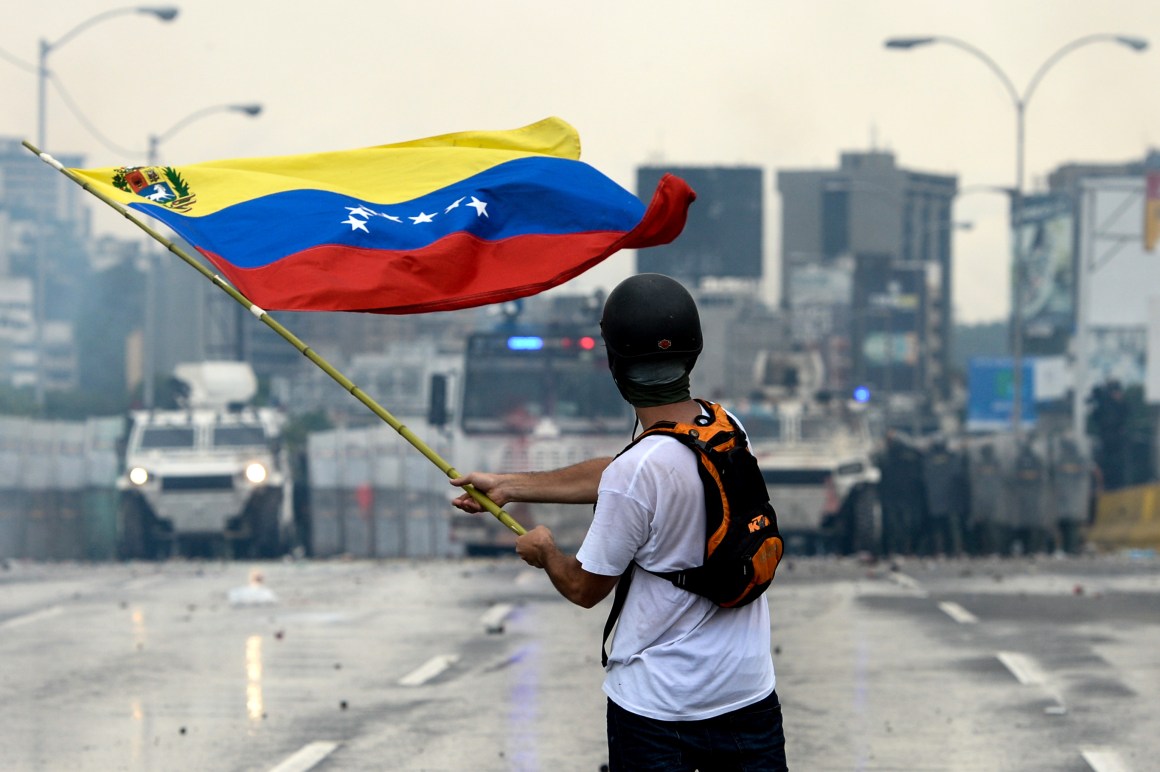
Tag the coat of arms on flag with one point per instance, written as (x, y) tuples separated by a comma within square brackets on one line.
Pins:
[(164, 186)]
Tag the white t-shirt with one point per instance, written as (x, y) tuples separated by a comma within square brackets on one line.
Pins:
[(675, 656)]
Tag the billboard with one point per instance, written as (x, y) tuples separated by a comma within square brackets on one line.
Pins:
[(1045, 235), (991, 391), (886, 323), (1117, 353), (820, 285), (723, 235), (1118, 283)]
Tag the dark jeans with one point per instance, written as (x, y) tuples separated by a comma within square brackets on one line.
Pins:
[(749, 739)]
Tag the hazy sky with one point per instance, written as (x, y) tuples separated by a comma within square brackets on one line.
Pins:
[(770, 83)]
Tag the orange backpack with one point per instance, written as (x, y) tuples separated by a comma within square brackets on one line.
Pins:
[(742, 543)]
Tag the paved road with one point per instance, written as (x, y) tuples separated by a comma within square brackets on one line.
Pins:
[(477, 665)]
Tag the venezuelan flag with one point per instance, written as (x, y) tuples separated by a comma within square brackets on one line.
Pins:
[(435, 224)]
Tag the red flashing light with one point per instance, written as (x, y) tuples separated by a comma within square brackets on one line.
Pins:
[(587, 343)]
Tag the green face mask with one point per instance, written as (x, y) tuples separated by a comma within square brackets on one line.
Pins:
[(655, 394)]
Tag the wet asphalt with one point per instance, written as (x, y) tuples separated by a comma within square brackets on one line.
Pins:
[(1025, 664)]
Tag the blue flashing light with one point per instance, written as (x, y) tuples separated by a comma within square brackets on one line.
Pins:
[(861, 394), (525, 343)]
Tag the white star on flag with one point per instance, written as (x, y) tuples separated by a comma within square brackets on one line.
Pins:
[(359, 215), (356, 224), (479, 206)]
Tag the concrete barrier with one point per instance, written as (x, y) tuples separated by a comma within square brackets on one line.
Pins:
[(57, 500), (1128, 518), (374, 496)]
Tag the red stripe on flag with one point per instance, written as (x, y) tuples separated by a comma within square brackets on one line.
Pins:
[(458, 271)]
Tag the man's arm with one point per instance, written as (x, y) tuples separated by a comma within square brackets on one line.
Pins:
[(538, 549), (576, 484)]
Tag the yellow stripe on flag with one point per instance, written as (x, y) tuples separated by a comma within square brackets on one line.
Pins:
[(406, 169)]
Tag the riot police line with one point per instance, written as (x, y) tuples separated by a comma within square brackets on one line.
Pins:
[(985, 495)]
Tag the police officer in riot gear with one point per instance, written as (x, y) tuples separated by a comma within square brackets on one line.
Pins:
[(900, 492), (943, 483), (1030, 517), (1109, 421), (1071, 489), (985, 532)]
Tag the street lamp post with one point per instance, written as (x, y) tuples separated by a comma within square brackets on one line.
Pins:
[(155, 140), (1020, 103), (164, 13)]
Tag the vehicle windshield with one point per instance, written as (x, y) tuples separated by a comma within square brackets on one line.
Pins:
[(167, 437), (238, 436), (761, 427), (817, 428), (510, 392)]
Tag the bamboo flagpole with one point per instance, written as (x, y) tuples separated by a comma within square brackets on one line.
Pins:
[(293, 340)]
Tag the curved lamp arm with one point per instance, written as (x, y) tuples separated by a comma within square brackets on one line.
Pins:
[(1135, 43), (915, 42), (165, 13), (251, 110)]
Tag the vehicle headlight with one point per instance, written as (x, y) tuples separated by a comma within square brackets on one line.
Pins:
[(138, 475), (256, 473)]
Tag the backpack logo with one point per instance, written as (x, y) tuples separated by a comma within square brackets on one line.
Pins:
[(757, 523)]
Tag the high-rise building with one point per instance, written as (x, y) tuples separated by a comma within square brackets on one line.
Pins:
[(17, 338), (866, 272), (722, 238), (43, 229)]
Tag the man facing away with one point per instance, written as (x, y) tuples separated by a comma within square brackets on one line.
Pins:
[(690, 685)]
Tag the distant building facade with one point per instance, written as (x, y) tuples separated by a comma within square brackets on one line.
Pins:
[(723, 235), (866, 272), (43, 229)]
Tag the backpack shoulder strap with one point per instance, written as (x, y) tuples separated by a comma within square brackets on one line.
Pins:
[(707, 432), (711, 427), (614, 613)]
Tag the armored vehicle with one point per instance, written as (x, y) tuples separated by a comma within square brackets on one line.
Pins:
[(817, 455), (818, 465), (210, 476)]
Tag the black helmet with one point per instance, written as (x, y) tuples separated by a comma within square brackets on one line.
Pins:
[(650, 317)]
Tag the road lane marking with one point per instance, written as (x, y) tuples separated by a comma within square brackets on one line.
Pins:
[(908, 582), (494, 617), (428, 670), (141, 582), (34, 616), (1104, 760), (958, 613), (1029, 673), (1025, 669), (307, 757)]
